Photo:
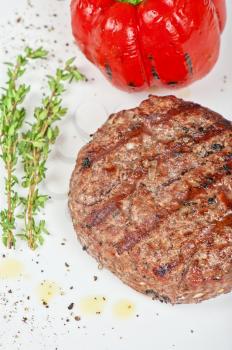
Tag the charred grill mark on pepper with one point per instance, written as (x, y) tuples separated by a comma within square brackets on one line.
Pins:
[(188, 61), (154, 73), (108, 71), (85, 21), (172, 83), (131, 84)]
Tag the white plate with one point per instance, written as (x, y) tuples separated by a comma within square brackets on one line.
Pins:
[(205, 326)]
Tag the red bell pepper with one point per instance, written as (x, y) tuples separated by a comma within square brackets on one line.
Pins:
[(141, 43)]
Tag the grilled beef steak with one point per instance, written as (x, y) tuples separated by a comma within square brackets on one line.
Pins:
[(151, 199)]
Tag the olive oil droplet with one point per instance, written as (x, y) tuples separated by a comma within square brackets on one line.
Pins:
[(47, 290), (123, 309), (93, 305), (10, 268)]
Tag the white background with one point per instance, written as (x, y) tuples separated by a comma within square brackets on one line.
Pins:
[(206, 326)]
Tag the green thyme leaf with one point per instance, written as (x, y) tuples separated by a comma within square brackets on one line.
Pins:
[(35, 147), (11, 120), (32, 148)]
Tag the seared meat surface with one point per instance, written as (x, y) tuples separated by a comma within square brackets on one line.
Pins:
[(151, 199)]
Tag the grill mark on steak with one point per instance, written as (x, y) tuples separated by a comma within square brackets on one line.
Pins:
[(178, 146), (140, 128), (224, 198), (217, 227), (227, 221), (135, 131), (201, 187), (156, 119), (208, 182), (185, 171), (98, 216), (132, 239), (174, 147)]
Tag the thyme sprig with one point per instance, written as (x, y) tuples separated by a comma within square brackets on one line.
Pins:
[(35, 147), (11, 120)]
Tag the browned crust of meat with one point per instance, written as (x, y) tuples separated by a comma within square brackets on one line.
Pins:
[(151, 199)]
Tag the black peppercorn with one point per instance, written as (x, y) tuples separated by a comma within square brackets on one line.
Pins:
[(86, 163)]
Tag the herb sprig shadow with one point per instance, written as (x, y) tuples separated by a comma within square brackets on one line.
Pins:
[(32, 147)]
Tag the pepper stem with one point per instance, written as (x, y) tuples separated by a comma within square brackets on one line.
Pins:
[(132, 2)]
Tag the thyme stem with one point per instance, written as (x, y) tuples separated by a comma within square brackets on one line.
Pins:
[(32, 147), (35, 148), (11, 120)]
